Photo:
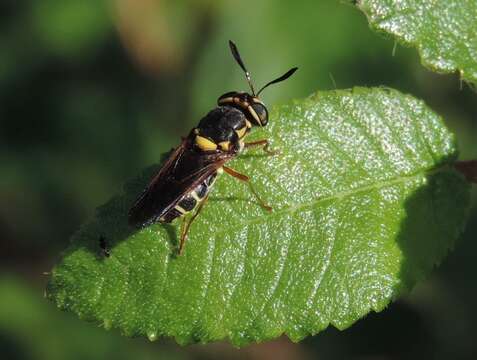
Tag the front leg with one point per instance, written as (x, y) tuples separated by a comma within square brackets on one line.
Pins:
[(265, 146)]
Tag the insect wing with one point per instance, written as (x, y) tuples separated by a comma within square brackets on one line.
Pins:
[(184, 170)]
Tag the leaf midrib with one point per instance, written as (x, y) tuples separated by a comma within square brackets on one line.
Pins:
[(338, 196)]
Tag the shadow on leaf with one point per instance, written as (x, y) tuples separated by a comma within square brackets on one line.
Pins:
[(435, 217)]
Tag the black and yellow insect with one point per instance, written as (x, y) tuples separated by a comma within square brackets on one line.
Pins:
[(183, 183)]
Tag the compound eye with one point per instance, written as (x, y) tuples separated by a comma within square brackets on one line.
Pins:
[(227, 98), (261, 112)]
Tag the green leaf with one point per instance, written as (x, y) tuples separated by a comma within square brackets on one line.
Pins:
[(365, 204), (444, 32)]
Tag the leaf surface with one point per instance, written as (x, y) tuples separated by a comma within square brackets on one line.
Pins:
[(365, 204), (444, 32)]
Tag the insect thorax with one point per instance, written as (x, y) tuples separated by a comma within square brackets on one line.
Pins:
[(222, 128)]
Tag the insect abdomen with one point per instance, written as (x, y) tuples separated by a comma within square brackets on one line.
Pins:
[(189, 201)]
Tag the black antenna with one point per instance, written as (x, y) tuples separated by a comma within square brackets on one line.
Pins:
[(281, 78), (237, 58)]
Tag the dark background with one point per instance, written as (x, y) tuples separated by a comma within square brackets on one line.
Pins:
[(91, 92)]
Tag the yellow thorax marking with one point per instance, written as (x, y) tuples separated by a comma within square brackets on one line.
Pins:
[(241, 132), (225, 145), (205, 144)]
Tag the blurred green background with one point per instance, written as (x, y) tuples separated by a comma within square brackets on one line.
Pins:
[(93, 91)]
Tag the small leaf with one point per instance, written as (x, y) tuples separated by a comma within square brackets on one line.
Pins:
[(444, 32), (365, 204)]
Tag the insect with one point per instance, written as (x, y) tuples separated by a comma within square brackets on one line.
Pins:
[(104, 247), (183, 183)]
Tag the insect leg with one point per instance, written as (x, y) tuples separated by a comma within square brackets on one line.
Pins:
[(265, 146), (246, 179), (186, 223)]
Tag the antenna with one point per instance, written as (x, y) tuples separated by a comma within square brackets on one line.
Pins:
[(281, 78), (237, 58)]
